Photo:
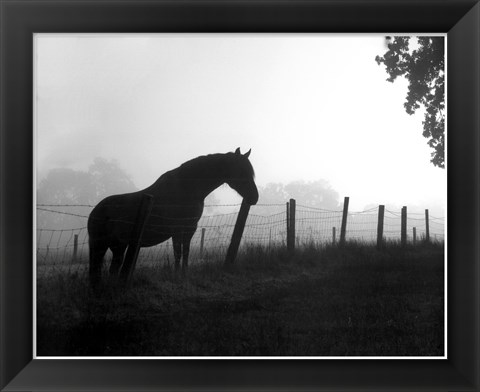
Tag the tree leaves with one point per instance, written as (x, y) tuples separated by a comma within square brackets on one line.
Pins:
[(424, 69)]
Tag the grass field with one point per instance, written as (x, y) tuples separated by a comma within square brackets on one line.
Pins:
[(328, 301)]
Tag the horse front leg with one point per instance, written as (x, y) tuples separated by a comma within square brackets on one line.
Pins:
[(177, 251), (186, 251)]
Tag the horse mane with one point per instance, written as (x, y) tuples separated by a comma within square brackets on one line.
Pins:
[(212, 163)]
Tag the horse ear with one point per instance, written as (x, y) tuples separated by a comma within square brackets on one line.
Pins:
[(237, 151), (247, 154)]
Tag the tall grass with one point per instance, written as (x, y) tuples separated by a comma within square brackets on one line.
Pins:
[(319, 300)]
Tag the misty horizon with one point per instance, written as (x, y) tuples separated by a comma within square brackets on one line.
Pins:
[(226, 196), (311, 107)]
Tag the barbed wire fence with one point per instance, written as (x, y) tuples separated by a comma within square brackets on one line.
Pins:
[(62, 236)]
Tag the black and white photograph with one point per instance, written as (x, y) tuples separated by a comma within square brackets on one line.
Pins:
[(270, 196)]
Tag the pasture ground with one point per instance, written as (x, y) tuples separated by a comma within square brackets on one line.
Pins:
[(329, 301)]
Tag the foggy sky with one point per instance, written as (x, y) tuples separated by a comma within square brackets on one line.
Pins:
[(310, 106)]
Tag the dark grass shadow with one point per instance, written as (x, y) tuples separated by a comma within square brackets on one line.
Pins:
[(318, 301)]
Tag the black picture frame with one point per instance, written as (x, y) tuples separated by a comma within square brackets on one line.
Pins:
[(20, 19)]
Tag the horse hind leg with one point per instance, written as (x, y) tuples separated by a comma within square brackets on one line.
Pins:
[(186, 252), (97, 252), (181, 251)]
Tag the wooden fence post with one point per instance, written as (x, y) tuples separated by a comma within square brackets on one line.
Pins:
[(270, 239), (237, 233), (343, 229), (334, 240), (288, 225), (134, 246), (202, 239), (403, 230), (427, 227), (75, 248), (381, 215), (414, 236), (291, 226)]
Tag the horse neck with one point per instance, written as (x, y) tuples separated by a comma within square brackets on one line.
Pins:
[(205, 175), (197, 179)]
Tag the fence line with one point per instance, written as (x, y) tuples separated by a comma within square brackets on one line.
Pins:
[(60, 248)]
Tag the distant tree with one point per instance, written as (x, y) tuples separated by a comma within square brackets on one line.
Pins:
[(318, 194), (273, 193), (66, 186), (424, 69), (108, 178), (63, 186)]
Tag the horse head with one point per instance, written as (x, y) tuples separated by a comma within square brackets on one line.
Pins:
[(241, 176)]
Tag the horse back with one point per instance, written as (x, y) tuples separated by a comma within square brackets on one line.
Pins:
[(114, 217), (112, 220)]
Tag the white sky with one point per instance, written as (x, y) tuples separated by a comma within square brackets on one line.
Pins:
[(311, 107)]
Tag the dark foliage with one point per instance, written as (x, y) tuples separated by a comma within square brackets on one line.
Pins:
[(424, 69)]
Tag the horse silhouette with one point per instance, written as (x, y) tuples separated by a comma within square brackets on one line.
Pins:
[(178, 199)]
